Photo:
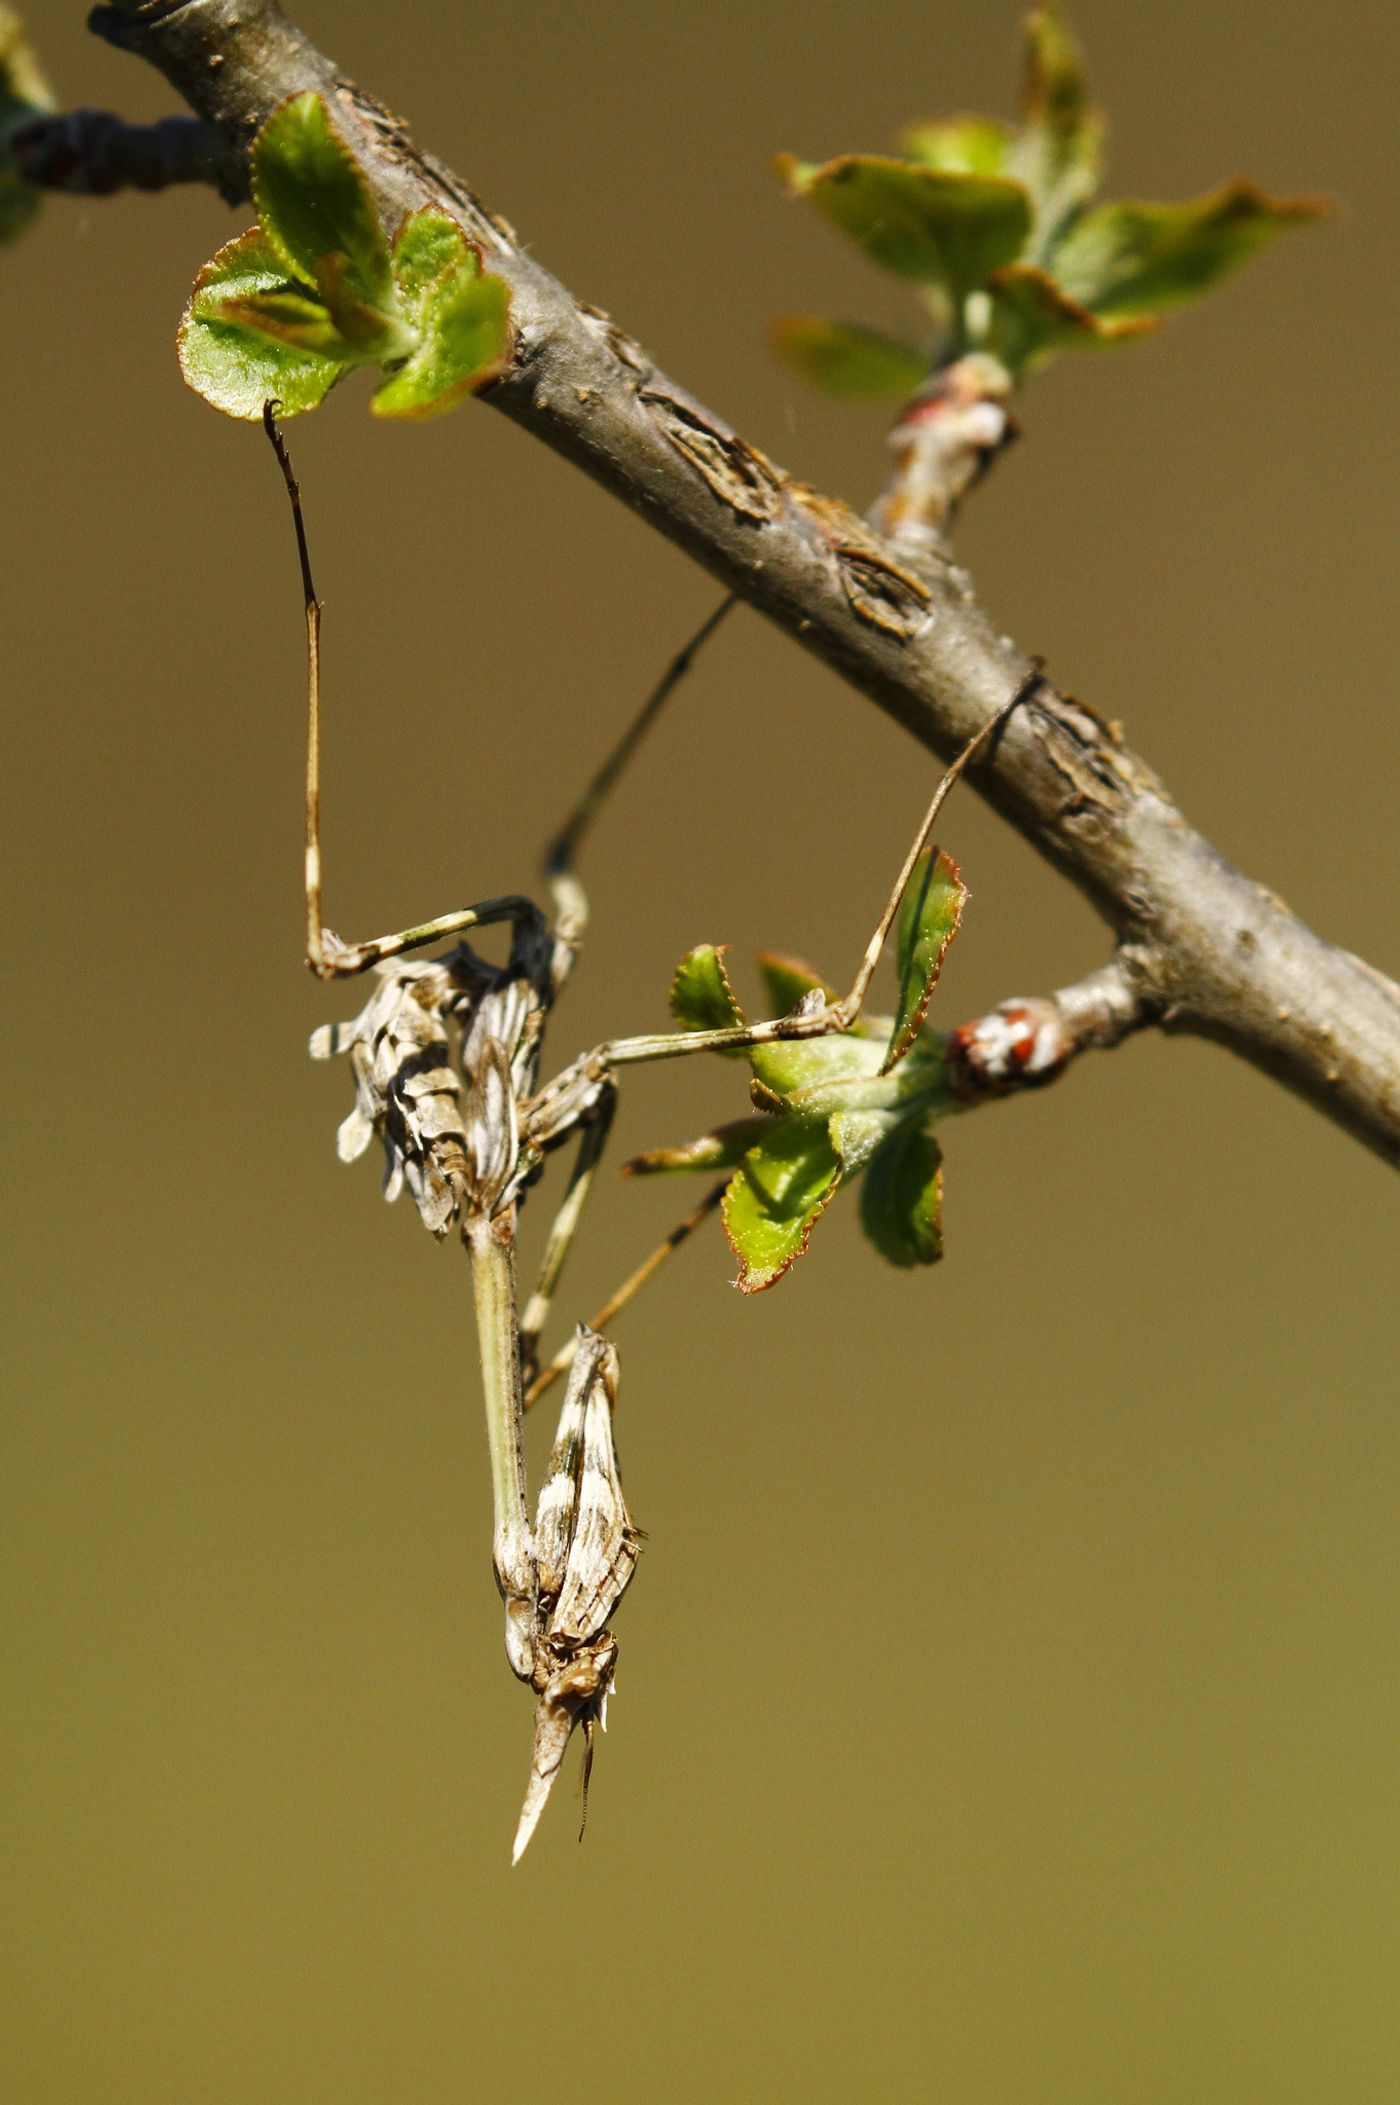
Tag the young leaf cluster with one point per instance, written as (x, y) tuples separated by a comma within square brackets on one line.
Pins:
[(997, 227), (24, 95), (858, 1103), (315, 289)]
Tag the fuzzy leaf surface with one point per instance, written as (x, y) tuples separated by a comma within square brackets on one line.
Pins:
[(463, 319), (816, 1074), (428, 248)]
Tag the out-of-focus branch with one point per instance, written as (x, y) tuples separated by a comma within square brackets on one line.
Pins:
[(1200, 946), (94, 153)]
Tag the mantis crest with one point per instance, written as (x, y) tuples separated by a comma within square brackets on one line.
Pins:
[(445, 1057)]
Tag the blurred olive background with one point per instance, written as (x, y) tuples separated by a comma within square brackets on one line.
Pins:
[(1008, 1694)]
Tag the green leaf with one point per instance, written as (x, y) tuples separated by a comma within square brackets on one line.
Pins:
[(940, 228), (774, 1199), (313, 201), (428, 248), (788, 980), (858, 364), (1129, 259), (856, 1134), (928, 921), (238, 368), (1061, 142), (960, 145), (901, 1198), (370, 335), (464, 319), (814, 1074), (701, 996), (1032, 316), (289, 317), (723, 1149), (24, 94)]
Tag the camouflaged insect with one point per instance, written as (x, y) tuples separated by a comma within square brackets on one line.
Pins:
[(587, 1547), (407, 1089), (444, 1054)]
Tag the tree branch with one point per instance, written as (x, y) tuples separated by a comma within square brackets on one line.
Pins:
[(1026, 1042), (1200, 946), (93, 153)]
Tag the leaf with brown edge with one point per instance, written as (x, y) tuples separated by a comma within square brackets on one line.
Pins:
[(788, 980), (775, 1198), (464, 344), (1132, 259), (725, 1148), (929, 915), (701, 996), (929, 224), (1033, 316), (313, 200), (238, 367)]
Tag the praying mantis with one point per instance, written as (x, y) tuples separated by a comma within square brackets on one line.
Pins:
[(446, 1057)]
